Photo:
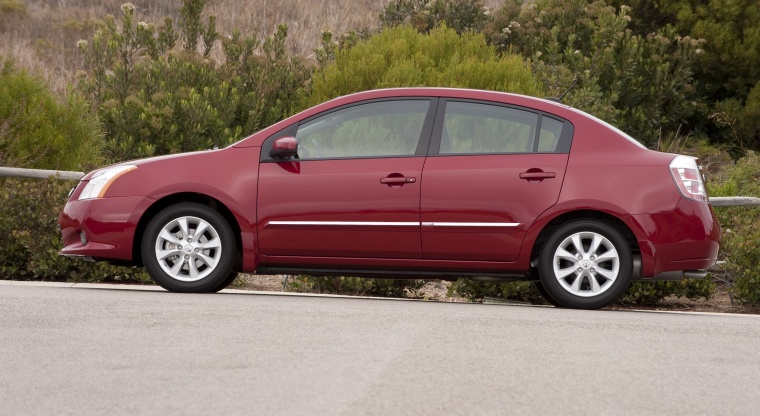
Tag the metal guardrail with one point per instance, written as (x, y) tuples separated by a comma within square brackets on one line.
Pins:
[(718, 201), (39, 173), (734, 201)]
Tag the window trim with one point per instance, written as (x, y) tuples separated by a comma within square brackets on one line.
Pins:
[(565, 140), (423, 141)]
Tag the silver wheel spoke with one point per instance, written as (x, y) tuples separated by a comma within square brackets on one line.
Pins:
[(563, 273), (577, 283), (182, 222), (595, 288), (607, 274), (193, 270), (565, 255), (200, 230), (576, 239), (209, 261), (609, 255), (215, 243), (595, 242), (174, 271), (166, 235), (162, 254)]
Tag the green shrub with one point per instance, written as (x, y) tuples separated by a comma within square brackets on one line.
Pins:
[(158, 90), (477, 291), (402, 57), (357, 286), (424, 15), (740, 245), (649, 293), (642, 84), (30, 240), (40, 130)]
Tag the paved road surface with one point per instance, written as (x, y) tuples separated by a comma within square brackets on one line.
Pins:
[(76, 351)]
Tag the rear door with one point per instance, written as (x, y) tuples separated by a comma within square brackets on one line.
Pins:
[(493, 169), (354, 191)]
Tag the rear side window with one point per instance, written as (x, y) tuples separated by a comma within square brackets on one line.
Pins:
[(378, 129), (551, 131), (483, 128)]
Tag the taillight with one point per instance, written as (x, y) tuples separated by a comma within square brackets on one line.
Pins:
[(688, 177)]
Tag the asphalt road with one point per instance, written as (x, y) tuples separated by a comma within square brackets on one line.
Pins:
[(102, 351)]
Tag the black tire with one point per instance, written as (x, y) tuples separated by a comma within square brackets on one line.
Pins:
[(190, 263), (545, 295), (596, 279), (225, 283)]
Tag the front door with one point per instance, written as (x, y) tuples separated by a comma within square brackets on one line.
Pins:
[(354, 191)]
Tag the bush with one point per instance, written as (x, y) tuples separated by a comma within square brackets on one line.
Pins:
[(402, 57), (642, 84), (477, 291), (424, 15), (39, 130), (158, 90), (649, 293), (357, 286), (741, 228), (30, 240)]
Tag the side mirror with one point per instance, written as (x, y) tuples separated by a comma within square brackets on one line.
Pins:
[(284, 147)]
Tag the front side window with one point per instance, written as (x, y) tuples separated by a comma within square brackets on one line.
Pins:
[(484, 129), (378, 129)]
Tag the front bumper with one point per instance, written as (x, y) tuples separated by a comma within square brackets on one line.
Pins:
[(108, 225)]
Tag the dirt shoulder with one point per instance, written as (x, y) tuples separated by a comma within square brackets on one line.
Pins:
[(721, 302)]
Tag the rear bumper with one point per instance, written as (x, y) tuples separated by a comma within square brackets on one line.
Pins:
[(681, 242), (108, 225)]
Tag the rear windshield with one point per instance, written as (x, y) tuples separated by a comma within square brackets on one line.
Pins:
[(611, 127)]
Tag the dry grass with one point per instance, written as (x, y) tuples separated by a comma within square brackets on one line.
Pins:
[(43, 38)]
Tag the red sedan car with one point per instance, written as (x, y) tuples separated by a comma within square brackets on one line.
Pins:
[(409, 183)]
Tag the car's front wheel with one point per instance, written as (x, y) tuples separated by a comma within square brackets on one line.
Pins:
[(585, 264), (189, 247)]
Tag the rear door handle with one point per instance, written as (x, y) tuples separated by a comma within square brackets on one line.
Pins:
[(537, 175), (397, 180)]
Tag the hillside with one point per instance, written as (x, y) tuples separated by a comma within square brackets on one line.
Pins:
[(42, 35)]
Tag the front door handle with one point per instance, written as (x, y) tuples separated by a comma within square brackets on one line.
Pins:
[(398, 180)]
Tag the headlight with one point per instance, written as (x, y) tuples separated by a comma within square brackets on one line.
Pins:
[(99, 183)]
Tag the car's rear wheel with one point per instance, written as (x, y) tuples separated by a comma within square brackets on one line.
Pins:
[(585, 264), (189, 247)]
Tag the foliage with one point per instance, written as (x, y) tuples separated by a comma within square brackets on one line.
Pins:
[(477, 291), (155, 99), (402, 57), (30, 239), (649, 293), (741, 228), (11, 6), (643, 84), (39, 130), (741, 119), (358, 286), (10, 10), (727, 67), (424, 15)]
